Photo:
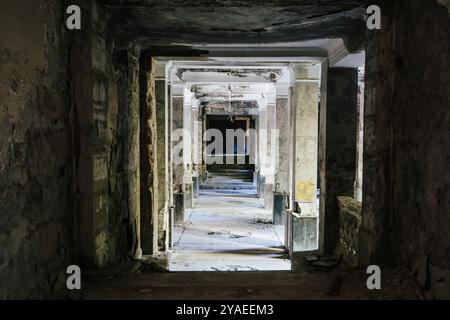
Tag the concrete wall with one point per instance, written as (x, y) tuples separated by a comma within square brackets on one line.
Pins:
[(148, 157), (123, 162), (350, 219), (340, 161), (120, 145), (69, 137), (360, 136), (406, 194), (105, 89), (306, 157), (307, 101), (282, 124), (162, 110), (36, 213)]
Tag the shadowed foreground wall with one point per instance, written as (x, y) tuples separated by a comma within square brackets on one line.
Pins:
[(69, 138), (406, 214), (36, 214)]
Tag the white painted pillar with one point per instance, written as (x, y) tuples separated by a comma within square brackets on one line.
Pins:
[(177, 146), (271, 153), (262, 149), (282, 125), (187, 148), (305, 221), (197, 129)]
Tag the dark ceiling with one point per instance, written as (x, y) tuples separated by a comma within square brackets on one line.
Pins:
[(168, 22)]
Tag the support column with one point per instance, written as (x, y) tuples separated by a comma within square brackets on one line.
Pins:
[(360, 136), (305, 223), (282, 164), (253, 144), (148, 162), (340, 154), (282, 125), (262, 151), (188, 185), (203, 169), (177, 151), (162, 121), (257, 157), (196, 152), (271, 155)]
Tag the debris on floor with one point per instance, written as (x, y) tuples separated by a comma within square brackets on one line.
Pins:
[(236, 202), (262, 223), (237, 236), (242, 268), (215, 233), (226, 231)]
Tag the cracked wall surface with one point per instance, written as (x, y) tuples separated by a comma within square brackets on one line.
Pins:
[(112, 146), (78, 121), (156, 23), (36, 213), (148, 158), (341, 122), (406, 194), (69, 159)]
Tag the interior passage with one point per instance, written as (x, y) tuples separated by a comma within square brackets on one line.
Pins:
[(177, 135)]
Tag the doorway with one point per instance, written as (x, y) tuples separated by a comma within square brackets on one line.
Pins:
[(222, 213), (229, 229)]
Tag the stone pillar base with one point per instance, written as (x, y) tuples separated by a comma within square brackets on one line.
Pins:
[(304, 230)]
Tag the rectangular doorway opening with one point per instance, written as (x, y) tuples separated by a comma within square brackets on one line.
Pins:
[(227, 222)]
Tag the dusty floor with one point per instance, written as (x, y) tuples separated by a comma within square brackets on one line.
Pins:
[(228, 233), (232, 233), (263, 285)]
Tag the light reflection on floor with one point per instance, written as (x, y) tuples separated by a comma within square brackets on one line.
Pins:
[(228, 233)]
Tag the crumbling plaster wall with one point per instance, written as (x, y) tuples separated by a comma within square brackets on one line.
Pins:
[(340, 155), (109, 144), (148, 156), (36, 213), (406, 194), (69, 137)]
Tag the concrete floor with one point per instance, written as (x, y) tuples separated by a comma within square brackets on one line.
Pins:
[(231, 233), (228, 233), (128, 282)]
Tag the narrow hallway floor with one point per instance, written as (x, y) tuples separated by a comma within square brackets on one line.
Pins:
[(127, 282), (228, 233)]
